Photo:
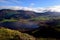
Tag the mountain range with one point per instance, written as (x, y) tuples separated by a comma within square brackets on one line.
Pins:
[(7, 13)]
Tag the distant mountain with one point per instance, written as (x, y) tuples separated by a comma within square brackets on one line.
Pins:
[(48, 13), (7, 13)]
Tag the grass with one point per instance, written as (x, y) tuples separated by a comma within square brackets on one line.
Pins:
[(8, 20), (8, 34), (40, 18)]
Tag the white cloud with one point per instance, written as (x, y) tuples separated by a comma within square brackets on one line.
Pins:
[(11, 7), (39, 9), (31, 4), (3, 1), (54, 8), (16, 2), (51, 8)]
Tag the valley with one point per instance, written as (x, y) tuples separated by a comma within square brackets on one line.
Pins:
[(38, 25)]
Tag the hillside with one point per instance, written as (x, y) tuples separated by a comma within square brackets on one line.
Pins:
[(8, 34)]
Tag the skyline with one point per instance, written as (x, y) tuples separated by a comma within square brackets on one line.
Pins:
[(31, 5)]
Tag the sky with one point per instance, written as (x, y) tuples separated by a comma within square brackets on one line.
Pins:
[(28, 3), (35, 5)]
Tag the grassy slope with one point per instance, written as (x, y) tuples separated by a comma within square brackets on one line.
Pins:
[(7, 34)]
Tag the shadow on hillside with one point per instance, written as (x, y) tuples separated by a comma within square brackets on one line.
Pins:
[(45, 33)]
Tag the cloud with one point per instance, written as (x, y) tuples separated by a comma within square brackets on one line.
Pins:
[(51, 8), (16, 2), (54, 8), (3, 1), (39, 9), (11, 7), (31, 4)]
